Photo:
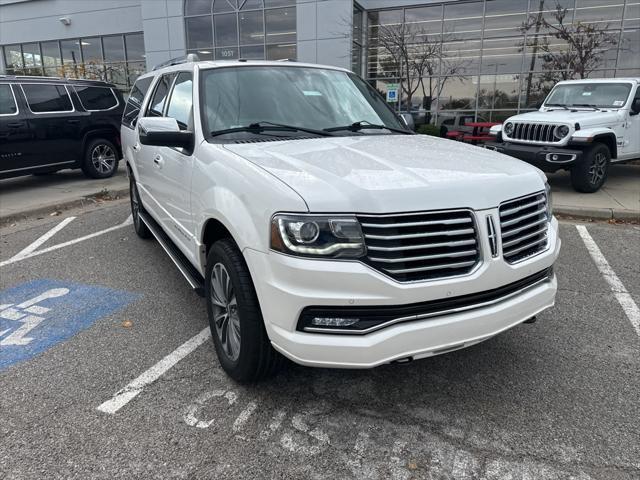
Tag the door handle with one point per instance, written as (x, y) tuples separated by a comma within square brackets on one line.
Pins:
[(158, 160), (15, 124)]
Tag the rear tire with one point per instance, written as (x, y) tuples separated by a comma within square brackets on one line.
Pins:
[(591, 173), (136, 207), (237, 327), (100, 159)]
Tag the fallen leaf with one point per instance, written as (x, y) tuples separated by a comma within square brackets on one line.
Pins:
[(412, 466), (127, 324)]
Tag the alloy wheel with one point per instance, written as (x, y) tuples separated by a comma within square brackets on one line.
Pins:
[(103, 158), (225, 311), (598, 168)]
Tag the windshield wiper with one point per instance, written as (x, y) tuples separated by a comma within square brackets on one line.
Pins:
[(357, 126), (556, 105), (588, 105), (261, 127)]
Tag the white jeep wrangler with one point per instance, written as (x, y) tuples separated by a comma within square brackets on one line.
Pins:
[(582, 126), (319, 228)]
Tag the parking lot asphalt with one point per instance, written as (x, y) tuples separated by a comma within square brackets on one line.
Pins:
[(556, 399)]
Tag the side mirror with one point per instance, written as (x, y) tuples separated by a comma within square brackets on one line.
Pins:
[(164, 132), (407, 119), (635, 106)]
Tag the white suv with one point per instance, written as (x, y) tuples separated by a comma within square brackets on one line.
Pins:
[(582, 126), (319, 228)]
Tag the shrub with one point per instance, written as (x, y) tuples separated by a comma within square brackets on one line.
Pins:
[(429, 129)]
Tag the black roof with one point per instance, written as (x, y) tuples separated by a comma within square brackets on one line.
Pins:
[(67, 81)]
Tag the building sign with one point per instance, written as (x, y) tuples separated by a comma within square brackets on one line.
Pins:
[(392, 92)]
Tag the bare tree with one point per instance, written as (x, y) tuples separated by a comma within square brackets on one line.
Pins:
[(411, 55), (584, 46)]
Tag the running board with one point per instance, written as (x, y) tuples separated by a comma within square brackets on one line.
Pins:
[(181, 261)]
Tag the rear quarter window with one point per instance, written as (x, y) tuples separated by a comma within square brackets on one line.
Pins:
[(96, 98), (134, 102), (43, 98), (7, 101)]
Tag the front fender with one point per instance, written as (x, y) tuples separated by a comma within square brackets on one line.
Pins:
[(588, 136), (240, 195)]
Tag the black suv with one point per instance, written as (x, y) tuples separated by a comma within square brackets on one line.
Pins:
[(47, 124)]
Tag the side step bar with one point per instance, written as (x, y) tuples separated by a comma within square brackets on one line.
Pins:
[(184, 265)]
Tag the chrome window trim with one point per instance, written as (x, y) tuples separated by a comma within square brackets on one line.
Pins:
[(99, 109), (15, 102), (424, 316), (73, 108)]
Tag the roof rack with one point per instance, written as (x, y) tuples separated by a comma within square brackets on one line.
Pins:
[(192, 57)]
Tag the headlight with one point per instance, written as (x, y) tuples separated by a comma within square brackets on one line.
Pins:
[(561, 131), (317, 236), (547, 188), (508, 128)]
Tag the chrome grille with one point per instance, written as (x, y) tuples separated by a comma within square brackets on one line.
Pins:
[(524, 224), (534, 132), (421, 246)]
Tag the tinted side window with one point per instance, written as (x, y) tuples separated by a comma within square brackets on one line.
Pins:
[(159, 98), (47, 98), (7, 102), (96, 98), (134, 102), (181, 100)]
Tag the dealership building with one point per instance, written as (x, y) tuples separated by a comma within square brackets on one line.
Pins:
[(486, 62)]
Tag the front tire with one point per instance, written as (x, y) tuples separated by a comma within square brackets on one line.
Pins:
[(136, 207), (100, 159), (237, 327), (591, 173)]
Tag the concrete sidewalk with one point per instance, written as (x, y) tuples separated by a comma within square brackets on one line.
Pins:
[(31, 196), (619, 198)]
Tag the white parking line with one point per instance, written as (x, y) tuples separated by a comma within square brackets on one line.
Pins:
[(15, 259), (34, 246), (128, 393), (617, 287)]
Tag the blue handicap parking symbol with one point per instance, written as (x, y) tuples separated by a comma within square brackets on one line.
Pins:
[(36, 315)]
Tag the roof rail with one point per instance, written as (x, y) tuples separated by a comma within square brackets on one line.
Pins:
[(192, 57), (286, 60)]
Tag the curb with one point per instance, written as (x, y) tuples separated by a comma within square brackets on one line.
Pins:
[(598, 213), (91, 199)]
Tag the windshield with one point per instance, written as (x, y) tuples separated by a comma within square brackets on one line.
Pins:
[(612, 95), (307, 97)]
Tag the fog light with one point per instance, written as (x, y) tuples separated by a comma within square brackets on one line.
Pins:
[(333, 322), (554, 157)]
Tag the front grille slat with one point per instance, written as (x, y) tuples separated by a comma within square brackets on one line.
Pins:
[(432, 267), (524, 227), (521, 207), (454, 221), (513, 221), (460, 243), (408, 236), (464, 253), (421, 246)]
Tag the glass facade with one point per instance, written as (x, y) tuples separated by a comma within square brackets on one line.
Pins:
[(230, 29), (118, 59), (494, 58)]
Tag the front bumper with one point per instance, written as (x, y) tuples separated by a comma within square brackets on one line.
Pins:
[(286, 286), (540, 156)]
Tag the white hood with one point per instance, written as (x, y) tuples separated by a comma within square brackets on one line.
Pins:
[(585, 117), (392, 173)]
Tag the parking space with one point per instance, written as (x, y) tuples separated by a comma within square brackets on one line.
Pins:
[(552, 400)]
